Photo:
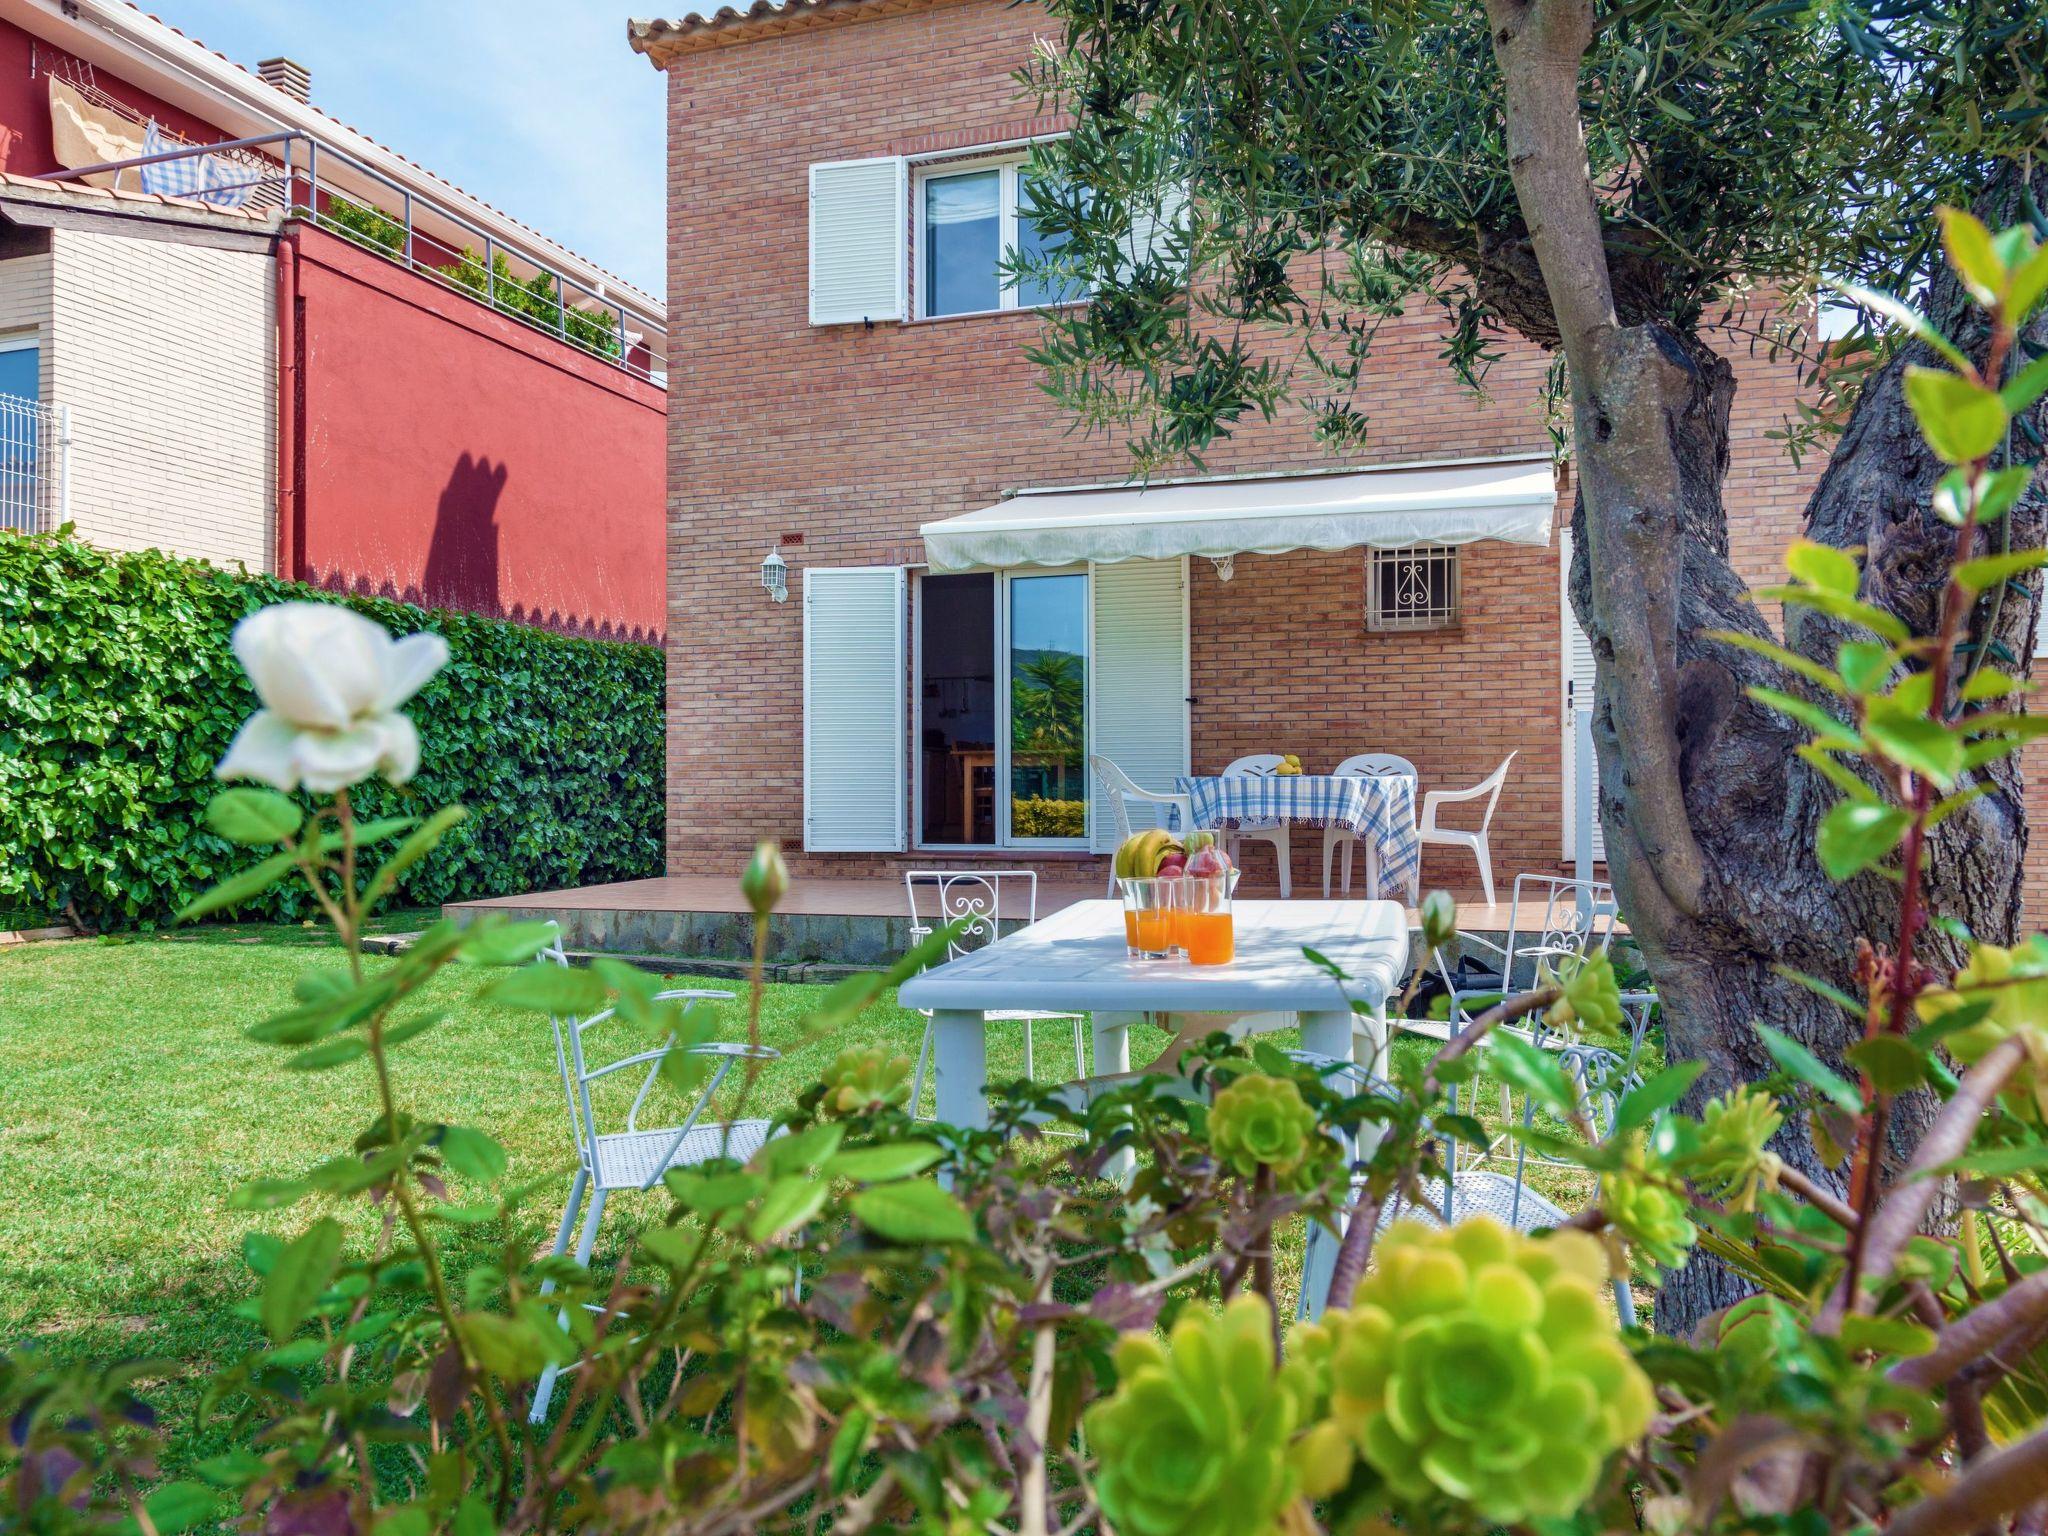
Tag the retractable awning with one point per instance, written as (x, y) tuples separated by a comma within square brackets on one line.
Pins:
[(1265, 515)]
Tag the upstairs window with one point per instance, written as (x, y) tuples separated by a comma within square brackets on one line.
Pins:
[(968, 219)]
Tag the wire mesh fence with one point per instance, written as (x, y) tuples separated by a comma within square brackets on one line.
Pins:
[(34, 440)]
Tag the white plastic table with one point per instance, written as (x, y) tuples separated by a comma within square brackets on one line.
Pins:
[(1074, 962)]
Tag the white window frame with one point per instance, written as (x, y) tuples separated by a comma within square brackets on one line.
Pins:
[(1004, 842), (1010, 160), (1380, 623)]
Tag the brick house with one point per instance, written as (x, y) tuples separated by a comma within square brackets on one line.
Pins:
[(276, 354), (841, 174)]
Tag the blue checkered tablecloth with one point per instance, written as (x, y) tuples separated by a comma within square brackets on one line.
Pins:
[(1379, 808)]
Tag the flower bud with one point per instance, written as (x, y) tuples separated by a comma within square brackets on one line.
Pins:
[(767, 878), (1439, 919)]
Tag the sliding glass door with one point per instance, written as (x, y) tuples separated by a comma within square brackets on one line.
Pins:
[(1002, 694)]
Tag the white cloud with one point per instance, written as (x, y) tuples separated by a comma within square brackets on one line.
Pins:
[(535, 106)]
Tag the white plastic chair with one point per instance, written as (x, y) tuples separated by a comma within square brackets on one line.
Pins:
[(636, 1158), (1488, 789), (1272, 830), (1362, 765), (1119, 789), (974, 898)]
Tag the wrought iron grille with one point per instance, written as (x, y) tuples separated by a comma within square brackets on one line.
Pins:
[(1411, 588)]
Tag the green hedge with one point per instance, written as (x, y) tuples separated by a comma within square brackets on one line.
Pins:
[(118, 693)]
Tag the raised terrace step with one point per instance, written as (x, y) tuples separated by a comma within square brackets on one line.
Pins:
[(826, 924)]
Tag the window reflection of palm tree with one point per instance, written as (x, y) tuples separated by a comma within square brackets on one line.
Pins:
[(1047, 701)]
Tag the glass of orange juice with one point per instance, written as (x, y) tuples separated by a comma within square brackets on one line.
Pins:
[(1205, 921), (1149, 908)]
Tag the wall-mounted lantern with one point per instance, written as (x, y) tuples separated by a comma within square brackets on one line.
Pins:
[(775, 576)]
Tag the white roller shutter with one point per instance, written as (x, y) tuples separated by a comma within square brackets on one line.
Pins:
[(860, 240), (1138, 682), (855, 681), (1157, 226), (1578, 694)]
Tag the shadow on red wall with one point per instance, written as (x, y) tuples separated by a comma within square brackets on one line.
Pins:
[(462, 556)]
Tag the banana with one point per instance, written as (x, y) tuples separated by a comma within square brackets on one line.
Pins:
[(1139, 855)]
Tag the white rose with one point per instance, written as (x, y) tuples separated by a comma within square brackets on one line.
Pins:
[(331, 682)]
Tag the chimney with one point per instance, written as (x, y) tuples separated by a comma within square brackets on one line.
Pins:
[(288, 75)]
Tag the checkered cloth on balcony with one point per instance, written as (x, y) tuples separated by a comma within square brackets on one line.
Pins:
[(1379, 807), (210, 178)]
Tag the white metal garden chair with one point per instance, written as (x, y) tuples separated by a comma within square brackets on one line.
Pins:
[(1273, 829), (1362, 765), (1552, 919), (975, 900), (636, 1157), (1601, 1078), (1488, 789), (1121, 791)]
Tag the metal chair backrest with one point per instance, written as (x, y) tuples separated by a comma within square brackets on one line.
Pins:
[(1369, 765), (1571, 918), (578, 1074), (1258, 765), (975, 898)]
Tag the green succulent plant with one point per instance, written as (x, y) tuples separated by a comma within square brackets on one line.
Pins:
[(1198, 1439), (2013, 985), (1261, 1121), (1731, 1162), (1591, 1000), (1482, 1366), (864, 1081), (1651, 1217)]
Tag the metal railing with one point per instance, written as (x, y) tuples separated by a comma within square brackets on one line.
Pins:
[(35, 465), (299, 159)]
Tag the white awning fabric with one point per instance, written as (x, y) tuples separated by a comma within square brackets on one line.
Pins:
[(1263, 515)]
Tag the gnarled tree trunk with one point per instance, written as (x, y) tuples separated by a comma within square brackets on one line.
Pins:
[(1708, 814)]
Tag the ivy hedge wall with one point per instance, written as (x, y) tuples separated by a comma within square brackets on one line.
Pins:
[(119, 692)]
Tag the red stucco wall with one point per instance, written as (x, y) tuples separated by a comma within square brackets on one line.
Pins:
[(454, 457)]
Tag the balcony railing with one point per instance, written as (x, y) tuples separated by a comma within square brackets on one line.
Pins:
[(548, 300)]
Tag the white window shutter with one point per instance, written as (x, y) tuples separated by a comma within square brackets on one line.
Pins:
[(860, 240), (855, 681), (1138, 709), (1578, 695)]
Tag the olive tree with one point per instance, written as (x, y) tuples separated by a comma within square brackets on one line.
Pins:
[(1251, 191)]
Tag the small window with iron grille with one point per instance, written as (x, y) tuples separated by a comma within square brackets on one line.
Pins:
[(1411, 588)]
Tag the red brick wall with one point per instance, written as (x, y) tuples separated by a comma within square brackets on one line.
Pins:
[(854, 437)]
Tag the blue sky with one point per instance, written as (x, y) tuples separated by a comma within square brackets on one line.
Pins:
[(536, 106)]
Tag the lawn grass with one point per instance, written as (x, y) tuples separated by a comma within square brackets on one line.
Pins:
[(135, 1105)]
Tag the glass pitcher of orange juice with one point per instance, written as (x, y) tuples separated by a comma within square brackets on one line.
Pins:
[(1204, 923), (1150, 911)]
